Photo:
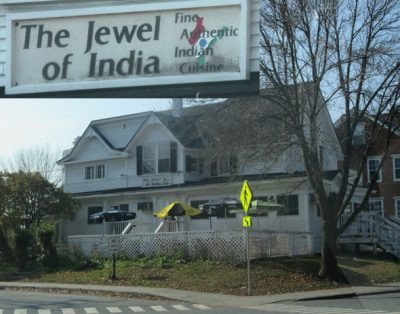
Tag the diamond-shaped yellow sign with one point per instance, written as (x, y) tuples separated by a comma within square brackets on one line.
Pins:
[(246, 196)]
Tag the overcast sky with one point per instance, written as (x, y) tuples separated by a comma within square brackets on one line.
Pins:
[(26, 123)]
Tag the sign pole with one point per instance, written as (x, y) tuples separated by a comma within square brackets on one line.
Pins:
[(248, 261), (114, 277), (246, 197)]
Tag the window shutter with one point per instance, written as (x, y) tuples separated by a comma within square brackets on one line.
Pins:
[(139, 160), (188, 163), (174, 157), (214, 168), (233, 163)]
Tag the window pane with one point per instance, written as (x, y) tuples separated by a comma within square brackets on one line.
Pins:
[(145, 206), (373, 165), (124, 207), (397, 168), (163, 165), (89, 172), (376, 206), (164, 157), (148, 152), (291, 203), (100, 171), (163, 151), (148, 166)]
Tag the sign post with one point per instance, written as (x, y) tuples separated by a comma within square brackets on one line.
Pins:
[(246, 197), (113, 246)]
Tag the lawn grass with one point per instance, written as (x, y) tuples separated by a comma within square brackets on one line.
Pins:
[(269, 276)]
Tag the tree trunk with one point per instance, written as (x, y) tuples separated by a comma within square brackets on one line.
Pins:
[(5, 251), (329, 268)]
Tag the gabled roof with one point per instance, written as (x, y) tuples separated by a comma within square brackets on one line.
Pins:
[(237, 121), (106, 143)]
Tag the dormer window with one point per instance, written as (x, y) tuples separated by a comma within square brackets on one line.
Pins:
[(156, 158), (123, 126)]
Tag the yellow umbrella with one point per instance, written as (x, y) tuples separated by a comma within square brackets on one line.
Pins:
[(177, 209)]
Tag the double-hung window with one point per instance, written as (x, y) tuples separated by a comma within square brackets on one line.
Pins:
[(89, 172), (163, 157), (397, 206), (359, 134), (376, 205), (149, 159), (396, 168), (373, 166)]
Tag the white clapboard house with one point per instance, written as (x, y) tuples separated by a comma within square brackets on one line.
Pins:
[(195, 154)]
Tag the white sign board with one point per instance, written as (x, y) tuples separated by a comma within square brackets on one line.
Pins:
[(135, 45), (113, 245), (157, 181)]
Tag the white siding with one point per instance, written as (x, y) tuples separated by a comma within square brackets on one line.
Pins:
[(161, 198), (118, 136), (43, 5), (93, 150)]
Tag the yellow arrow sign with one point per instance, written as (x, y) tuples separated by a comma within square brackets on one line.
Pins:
[(246, 221), (246, 196)]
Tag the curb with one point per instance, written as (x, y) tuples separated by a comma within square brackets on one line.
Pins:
[(213, 299)]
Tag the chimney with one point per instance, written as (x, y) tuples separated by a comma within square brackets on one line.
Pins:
[(177, 107), (75, 141)]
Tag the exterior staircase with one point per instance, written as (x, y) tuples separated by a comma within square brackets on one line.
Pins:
[(372, 228)]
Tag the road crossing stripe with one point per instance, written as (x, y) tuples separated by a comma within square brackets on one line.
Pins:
[(316, 310), (135, 309), (180, 307), (201, 306), (158, 308)]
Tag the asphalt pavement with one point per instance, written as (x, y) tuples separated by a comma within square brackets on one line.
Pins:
[(214, 299)]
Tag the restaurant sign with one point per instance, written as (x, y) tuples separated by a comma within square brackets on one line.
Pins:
[(135, 45)]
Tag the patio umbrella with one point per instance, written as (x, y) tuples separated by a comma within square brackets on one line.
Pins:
[(220, 207), (177, 209)]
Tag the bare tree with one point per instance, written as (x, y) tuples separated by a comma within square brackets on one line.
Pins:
[(40, 159), (340, 53)]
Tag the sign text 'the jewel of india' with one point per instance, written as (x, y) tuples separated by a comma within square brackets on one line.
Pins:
[(126, 49)]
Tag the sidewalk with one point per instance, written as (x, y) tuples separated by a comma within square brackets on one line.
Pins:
[(213, 299)]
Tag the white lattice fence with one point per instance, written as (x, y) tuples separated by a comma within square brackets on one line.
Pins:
[(228, 245)]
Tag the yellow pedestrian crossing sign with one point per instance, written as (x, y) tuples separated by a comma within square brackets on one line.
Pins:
[(246, 221), (246, 196)]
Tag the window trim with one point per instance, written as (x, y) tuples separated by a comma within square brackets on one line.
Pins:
[(370, 158), (397, 206), (394, 157), (359, 134), (172, 158), (94, 166), (377, 199)]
